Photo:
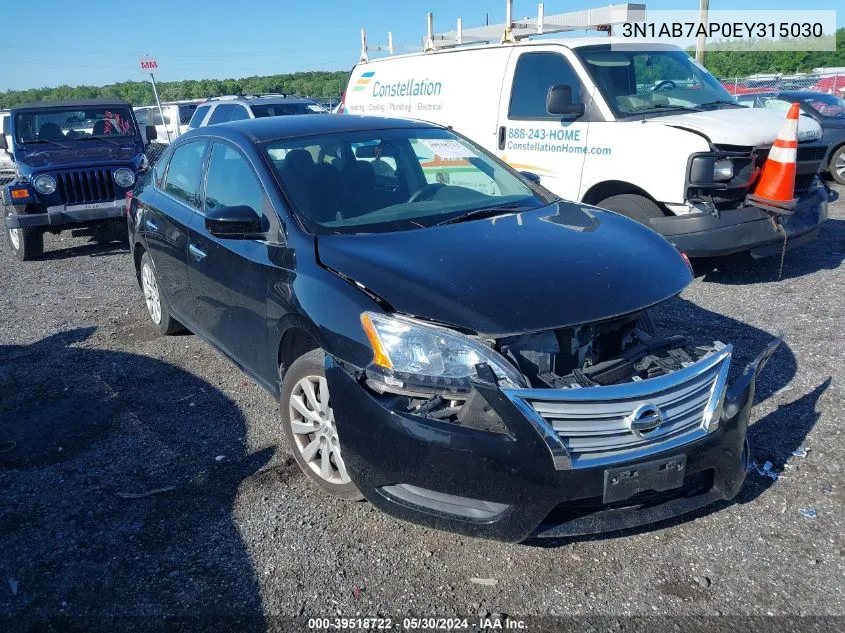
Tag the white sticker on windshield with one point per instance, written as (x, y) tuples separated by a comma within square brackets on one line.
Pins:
[(448, 148)]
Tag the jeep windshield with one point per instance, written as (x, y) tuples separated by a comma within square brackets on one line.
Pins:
[(656, 81), (391, 180), (59, 126)]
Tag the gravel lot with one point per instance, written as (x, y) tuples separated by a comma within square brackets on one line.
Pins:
[(95, 405)]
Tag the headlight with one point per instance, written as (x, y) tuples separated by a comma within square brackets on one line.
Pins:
[(723, 169), (410, 356), (124, 177), (44, 183)]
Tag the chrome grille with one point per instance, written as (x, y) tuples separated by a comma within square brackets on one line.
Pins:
[(82, 186), (592, 424)]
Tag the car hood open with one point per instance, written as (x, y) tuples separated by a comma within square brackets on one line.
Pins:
[(552, 267), (740, 126)]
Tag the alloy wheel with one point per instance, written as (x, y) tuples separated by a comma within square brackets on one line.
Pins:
[(839, 167), (312, 422), (151, 293)]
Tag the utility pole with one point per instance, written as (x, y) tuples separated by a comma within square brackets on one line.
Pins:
[(701, 40)]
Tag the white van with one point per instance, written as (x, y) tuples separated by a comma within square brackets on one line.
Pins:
[(646, 133), (7, 166), (177, 115)]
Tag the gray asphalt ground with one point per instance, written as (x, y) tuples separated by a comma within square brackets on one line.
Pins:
[(94, 406)]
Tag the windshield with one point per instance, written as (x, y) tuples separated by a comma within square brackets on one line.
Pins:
[(60, 125), (635, 82), (826, 105), (284, 109), (389, 180)]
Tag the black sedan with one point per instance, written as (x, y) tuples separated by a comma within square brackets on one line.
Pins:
[(444, 336), (828, 110)]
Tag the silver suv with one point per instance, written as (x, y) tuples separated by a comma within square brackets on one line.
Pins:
[(237, 108)]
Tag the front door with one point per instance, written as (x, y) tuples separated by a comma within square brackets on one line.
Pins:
[(229, 277), (530, 139)]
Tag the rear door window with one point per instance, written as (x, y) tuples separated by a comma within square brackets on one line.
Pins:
[(238, 113), (198, 116), (221, 113), (183, 176), (535, 74), (186, 111)]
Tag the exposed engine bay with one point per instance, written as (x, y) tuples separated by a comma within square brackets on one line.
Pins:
[(598, 354)]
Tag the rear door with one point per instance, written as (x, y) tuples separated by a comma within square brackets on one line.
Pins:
[(229, 277), (167, 214), (530, 139)]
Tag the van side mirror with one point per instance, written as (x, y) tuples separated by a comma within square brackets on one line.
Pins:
[(559, 102), (235, 223), (151, 133), (3, 144)]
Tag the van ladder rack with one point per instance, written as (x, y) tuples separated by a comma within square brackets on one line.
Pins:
[(601, 19)]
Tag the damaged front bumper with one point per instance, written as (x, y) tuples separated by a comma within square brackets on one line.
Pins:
[(539, 478), (747, 228)]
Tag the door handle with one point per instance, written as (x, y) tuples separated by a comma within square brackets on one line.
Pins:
[(151, 225), (501, 137), (196, 253)]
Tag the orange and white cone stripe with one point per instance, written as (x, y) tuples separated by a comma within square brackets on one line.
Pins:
[(776, 187)]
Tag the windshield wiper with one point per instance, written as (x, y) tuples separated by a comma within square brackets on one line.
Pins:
[(484, 212), (718, 102), (46, 140), (98, 138), (665, 106)]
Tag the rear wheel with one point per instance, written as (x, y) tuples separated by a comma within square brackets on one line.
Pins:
[(631, 205), (837, 165), (157, 306), (27, 243), (309, 426)]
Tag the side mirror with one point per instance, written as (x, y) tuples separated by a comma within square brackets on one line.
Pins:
[(559, 102), (151, 133), (236, 223), (530, 175), (3, 144)]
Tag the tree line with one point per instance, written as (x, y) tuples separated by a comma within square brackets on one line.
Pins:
[(330, 84), (316, 84)]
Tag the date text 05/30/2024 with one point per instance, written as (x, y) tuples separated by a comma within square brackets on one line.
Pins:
[(417, 624)]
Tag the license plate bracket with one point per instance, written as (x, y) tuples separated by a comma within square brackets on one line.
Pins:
[(659, 475)]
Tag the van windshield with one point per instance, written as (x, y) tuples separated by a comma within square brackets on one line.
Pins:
[(638, 81), (57, 126), (390, 180)]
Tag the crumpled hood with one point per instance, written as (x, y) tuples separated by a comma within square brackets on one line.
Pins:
[(89, 152), (561, 265), (739, 126)]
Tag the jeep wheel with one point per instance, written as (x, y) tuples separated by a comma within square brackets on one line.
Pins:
[(308, 424), (26, 243)]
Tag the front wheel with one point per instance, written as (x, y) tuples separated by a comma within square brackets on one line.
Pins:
[(27, 243), (308, 424), (837, 165)]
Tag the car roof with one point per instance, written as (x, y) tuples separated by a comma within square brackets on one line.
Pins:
[(280, 127), (70, 103), (258, 99)]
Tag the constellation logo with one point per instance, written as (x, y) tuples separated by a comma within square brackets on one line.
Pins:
[(362, 83)]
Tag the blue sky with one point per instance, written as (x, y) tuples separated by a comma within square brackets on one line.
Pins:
[(100, 41)]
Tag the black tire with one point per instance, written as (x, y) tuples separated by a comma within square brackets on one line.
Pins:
[(836, 169), (633, 206), (646, 324), (161, 318), (112, 231), (27, 244), (306, 368)]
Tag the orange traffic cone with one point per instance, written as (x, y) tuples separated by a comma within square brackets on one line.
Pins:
[(776, 188)]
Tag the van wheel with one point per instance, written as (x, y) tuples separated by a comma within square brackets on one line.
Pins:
[(633, 206), (308, 424), (837, 165), (26, 243), (157, 306)]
